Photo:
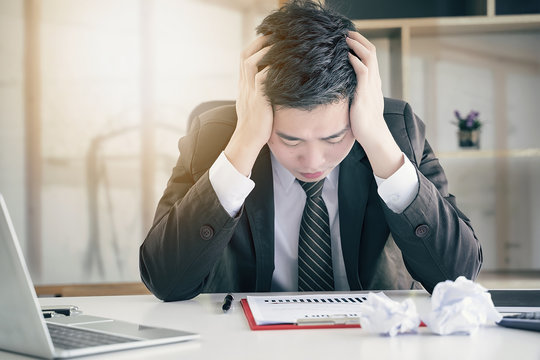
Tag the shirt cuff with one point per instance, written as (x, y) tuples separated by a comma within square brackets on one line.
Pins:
[(400, 189), (231, 187)]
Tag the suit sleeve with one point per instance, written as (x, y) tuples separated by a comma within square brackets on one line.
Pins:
[(436, 239), (191, 228)]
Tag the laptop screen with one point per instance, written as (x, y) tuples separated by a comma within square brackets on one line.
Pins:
[(22, 328)]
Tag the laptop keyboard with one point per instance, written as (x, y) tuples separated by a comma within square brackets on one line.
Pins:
[(66, 337), (526, 321)]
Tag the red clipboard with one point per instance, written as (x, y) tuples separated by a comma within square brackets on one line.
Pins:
[(253, 325)]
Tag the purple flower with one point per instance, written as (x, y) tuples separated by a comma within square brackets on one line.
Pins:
[(472, 115), (471, 122)]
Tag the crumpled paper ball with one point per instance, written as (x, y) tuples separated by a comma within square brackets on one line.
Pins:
[(382, 315), (460, 307)]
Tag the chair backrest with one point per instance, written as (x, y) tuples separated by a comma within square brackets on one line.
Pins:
[(205, 106)]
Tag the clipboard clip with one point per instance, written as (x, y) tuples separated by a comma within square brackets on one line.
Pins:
[(331, 320)]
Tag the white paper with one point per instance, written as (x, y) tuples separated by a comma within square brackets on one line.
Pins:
[(290, 309), (382, 315), (460, 307)]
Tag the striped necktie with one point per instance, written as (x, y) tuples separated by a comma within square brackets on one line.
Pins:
[(314, 247)]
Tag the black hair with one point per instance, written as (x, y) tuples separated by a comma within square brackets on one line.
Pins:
[(308, 62)]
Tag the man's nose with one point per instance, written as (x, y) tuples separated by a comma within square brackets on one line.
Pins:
[(312, 159)]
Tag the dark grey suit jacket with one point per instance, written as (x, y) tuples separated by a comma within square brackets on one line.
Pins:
[(194, 246)]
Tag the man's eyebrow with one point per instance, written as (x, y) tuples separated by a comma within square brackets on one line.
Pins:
[(287, 137), (294, 138), (336, 135)]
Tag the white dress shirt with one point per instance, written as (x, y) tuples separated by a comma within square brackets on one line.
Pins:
[(232, 188)]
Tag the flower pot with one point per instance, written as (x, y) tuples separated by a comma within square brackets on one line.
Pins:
[(469, 139)]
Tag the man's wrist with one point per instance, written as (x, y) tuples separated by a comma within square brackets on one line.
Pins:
[(384, 154), (242, 153), (399, 190), (231, 187)]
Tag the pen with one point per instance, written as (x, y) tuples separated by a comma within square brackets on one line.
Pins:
[(66, 310), (227, 302)]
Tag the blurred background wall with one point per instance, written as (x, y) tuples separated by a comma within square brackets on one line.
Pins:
[(94, 96)]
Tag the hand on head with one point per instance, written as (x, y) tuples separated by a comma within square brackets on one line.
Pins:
[(366, 110), (254, 111)]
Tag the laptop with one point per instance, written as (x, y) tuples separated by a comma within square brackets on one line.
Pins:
[(23, 328), (522, 308), (516, 300)]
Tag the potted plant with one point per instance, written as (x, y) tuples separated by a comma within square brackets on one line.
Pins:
[(469, 129)]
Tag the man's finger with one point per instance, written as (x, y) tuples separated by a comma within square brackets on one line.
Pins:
[(251, 63), (363, 53), (358, 66), (254, 59), (361, 39), (255, 46), (260, 78)]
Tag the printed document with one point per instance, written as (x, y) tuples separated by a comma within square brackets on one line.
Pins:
[(291, 309)]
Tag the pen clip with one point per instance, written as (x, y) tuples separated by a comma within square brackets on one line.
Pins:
[(66, 310)]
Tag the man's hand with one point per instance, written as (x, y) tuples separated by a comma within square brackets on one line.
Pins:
[(366, 112), (255, 115)]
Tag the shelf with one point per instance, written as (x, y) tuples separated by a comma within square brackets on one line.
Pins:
[(490, 154), (450, 25), (401, 33)]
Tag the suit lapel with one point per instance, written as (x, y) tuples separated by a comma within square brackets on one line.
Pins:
[(259, 207), (355, 176)]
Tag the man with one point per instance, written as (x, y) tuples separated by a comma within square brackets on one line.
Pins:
[(310, 114)]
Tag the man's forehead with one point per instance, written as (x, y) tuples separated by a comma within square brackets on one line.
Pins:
[(327, 112), (324, 121), (331, 108)]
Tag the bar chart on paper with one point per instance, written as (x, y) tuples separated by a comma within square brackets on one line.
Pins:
[(294, 309)]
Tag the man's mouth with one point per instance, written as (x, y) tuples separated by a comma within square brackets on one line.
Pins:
[(314, 175)]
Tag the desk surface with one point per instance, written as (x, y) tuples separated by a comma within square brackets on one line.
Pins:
[(227, 336)]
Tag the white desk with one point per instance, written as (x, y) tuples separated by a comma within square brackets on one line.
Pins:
[(227, 336)]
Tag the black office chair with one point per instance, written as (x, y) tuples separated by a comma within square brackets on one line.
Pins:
[(205, 106)]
